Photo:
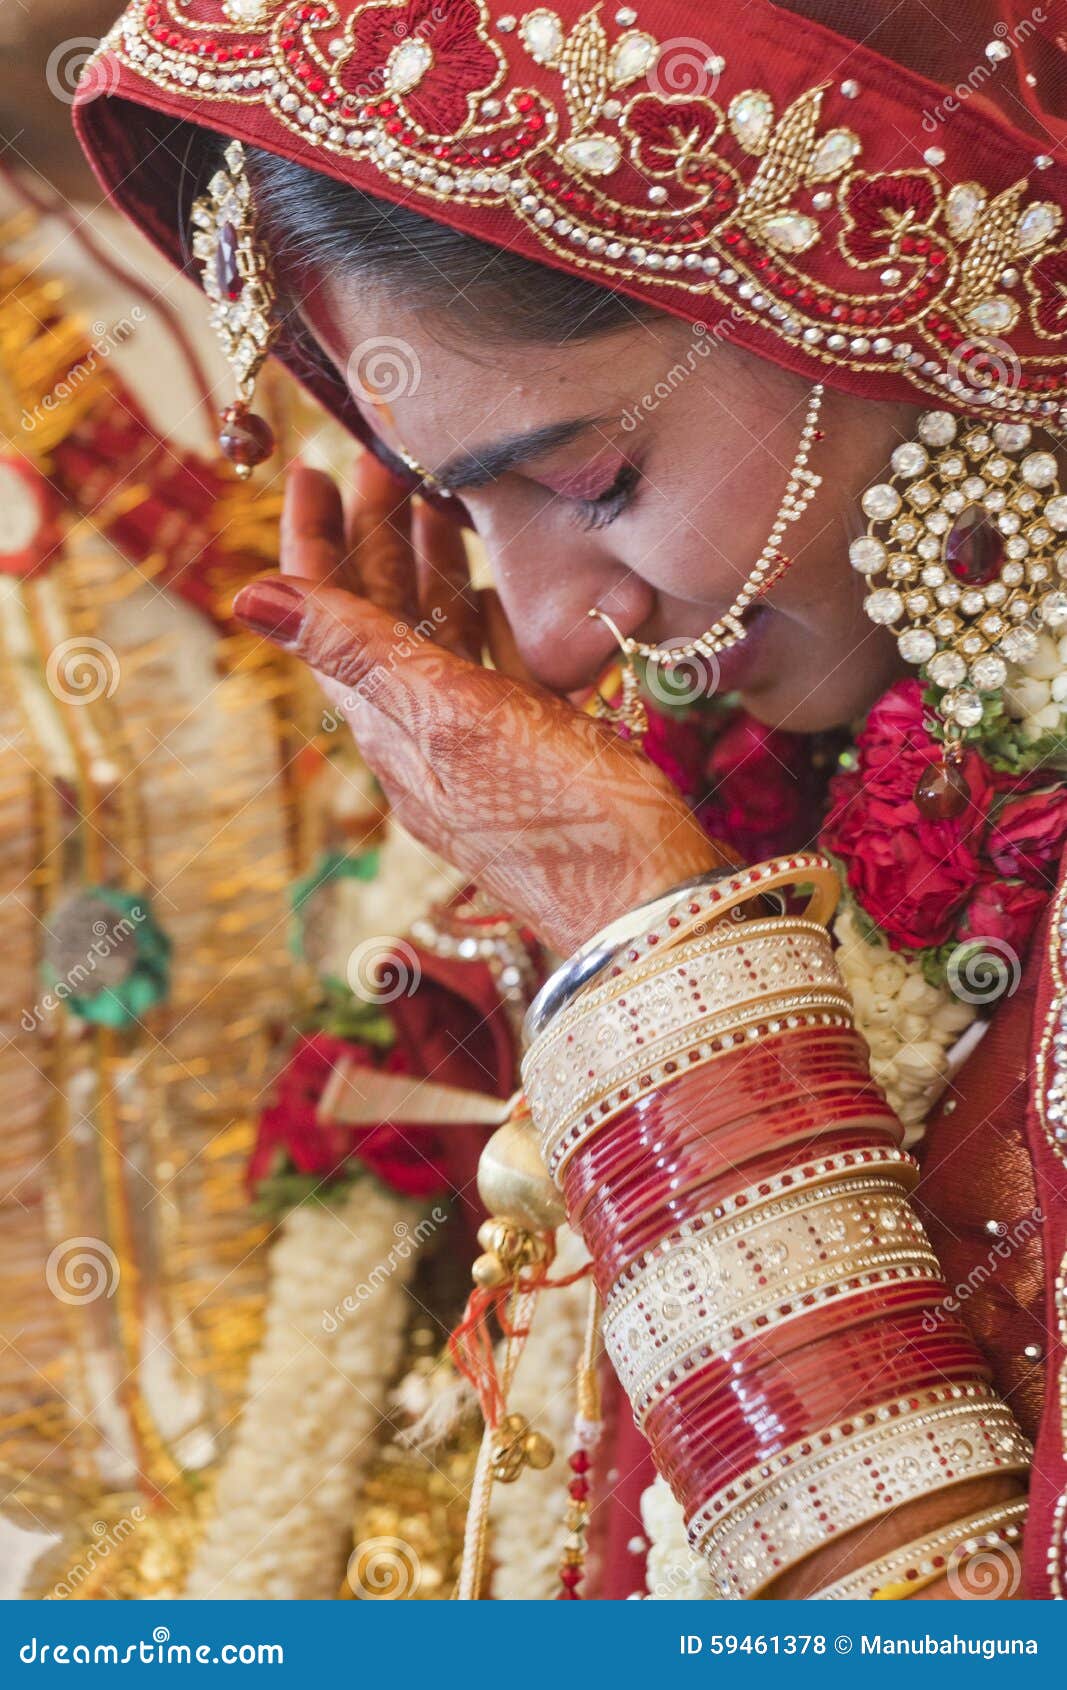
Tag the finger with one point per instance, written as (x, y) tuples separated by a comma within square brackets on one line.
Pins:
[(499, 637), (365, 653), (313, 542), (446, 596), (380, 526)]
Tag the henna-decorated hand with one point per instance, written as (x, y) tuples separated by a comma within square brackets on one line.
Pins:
[(554, 816)]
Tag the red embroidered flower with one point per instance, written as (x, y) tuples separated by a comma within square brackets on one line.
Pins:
[(881, 210), (1027, 838), (1005, 912), (432, 58), (912, 876), (407, 1159), (668, 130), (1048, 283)]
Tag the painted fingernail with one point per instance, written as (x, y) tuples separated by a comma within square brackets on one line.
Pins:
[(273, 608)]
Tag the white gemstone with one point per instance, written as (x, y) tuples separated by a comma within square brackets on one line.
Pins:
[(989, 672), (974, 487), (823, 200), (962, 208), (1019, 645), (833, 154), (967, 709), (1037, 223), (949, 595), (1009, 522), (917, 645), (889, 278), (1017, 546), (929, 546), (1011, 437), (953, 466), (881, 501), (934, 155), (910, 459), (542, 34), (933, 575), (657, 194), (1054, 609), (972, 602), (1056, 512), (850, 88), (1039, 469), (791, 231), (937, 522), (922, 495), (884, 606), (751, 115), (998, 51), (595, 155), (993, 315), (633, 55), (866, 554), (625, 15), (1043, 161), (937, 428), (947, 669)]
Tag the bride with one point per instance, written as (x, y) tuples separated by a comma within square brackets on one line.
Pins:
[(739, 341)]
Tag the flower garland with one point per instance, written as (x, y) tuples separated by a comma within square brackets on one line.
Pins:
[(316, 1389)]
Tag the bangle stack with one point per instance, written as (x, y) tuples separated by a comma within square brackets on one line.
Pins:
[(705, 1106)]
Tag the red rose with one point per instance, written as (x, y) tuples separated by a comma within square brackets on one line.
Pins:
[(1003, 911), (1027, 837), (758, 777), (677, 747), (912, 875), (405, 1158)]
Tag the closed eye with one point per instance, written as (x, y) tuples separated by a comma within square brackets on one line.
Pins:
[(610, 504)]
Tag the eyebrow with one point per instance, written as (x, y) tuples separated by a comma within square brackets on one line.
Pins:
[(480, 465)]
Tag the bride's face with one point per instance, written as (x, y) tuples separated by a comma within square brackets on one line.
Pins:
[(640, 472)]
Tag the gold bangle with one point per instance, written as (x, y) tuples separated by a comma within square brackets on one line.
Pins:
[(565, 1129), (754, 1530), (713, 1290), (913, 1565)]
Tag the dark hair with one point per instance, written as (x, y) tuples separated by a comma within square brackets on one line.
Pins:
[(315, 225)]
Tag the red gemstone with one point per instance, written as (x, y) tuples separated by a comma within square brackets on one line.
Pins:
[(974, 550), (942, 793), (227, 275), (570, 1576), (579, 1461), (244, 438)]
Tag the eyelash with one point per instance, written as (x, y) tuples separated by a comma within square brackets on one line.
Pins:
[(609, 505)]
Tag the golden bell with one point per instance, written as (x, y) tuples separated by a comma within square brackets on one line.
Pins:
[(515, 1446), (513, 1179), (489, 1271)]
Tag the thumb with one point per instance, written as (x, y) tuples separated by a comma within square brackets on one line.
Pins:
[(374, 656)]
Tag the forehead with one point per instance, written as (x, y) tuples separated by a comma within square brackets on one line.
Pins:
[(444, 382)]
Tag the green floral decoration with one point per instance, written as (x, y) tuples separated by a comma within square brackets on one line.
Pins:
[(107, 958)]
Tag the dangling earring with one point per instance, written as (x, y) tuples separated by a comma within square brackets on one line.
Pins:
[(237, 277), (965, 555), (630, 712)]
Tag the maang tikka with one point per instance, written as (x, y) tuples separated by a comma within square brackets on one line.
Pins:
[(966, 556), (237, 278)]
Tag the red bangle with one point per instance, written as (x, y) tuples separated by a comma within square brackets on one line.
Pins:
[(707, 1434)]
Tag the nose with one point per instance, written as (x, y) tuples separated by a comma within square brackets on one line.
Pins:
[(547, 602)]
